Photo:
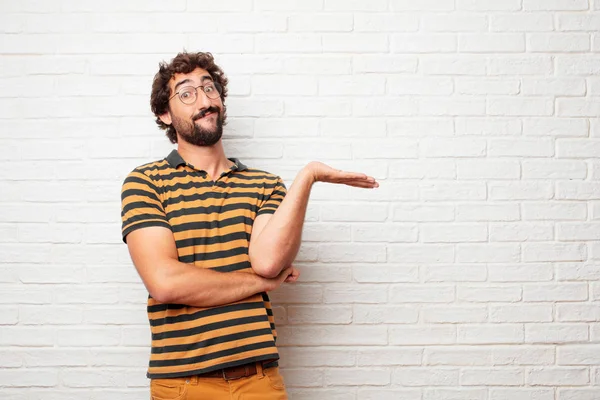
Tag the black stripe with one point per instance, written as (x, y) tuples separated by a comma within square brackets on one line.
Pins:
[(213, 224), (214, 255), (143, 217), (205, 313), (221, 184), (154, 166), (211, 342), (211, 356), (214, 195), (138, 192), (202, 241), (146, 224), (210, 210), (209, 327), (233, 267), (141, 204), (183, 173)]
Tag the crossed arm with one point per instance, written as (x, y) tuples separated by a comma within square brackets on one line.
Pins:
[(274, 244)]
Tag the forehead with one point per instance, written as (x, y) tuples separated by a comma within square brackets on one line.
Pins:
[(196, 77)]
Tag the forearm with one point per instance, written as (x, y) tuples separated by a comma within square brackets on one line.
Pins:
[(278, 243), (193, 286)]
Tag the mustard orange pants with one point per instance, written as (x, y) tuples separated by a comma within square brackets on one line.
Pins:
[(267, 384)]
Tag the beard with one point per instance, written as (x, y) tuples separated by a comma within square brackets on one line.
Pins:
[(197, 135)]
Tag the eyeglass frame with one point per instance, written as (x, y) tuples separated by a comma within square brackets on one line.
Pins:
[(216, 85)]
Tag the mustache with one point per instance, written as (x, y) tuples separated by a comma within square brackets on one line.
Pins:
[(203, 113)]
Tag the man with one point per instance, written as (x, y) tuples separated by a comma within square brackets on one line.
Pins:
[(210, 238)]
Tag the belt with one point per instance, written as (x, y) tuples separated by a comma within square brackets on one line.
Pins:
[(238, 372)]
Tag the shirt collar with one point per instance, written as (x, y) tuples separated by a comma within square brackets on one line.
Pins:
[(175, 159)]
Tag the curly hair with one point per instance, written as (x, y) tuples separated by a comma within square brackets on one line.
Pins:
[(183, 63)]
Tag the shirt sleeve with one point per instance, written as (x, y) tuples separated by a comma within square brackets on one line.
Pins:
[(274, 199), (140, 204)]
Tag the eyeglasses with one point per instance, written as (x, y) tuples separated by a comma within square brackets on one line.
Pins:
[(189, 94)]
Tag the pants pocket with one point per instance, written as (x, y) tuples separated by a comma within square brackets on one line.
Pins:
[(168, 389), (275, 378)]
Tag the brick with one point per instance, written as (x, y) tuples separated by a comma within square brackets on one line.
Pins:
[(492, 212), (421, 294), (489, 377), (520, 272), (312, 65), (457, 356), (322, 335), (425, 5), (389, 356), (35, 378), (456, 147), (487, 169), (518, 65), (385, 22), (578, 148), (457, 106), (521, 107), (352, 253), (423, 253), (453, 314), (461, 64), (414, 86), (523, 355), (288, 5), (378, 314), (491, 43), (521, 191), (491, 253), (554, 169), (422, 334), (558, 376), (384, 233), (578, 232), (488, 126), (453, 273), (424, 43), (482, 294), (361, 293), (355, 5), (357, 377), (521, 232), (578, 394), (521, 394), (578, 65), (490, 334), (578, 313), (455, 394), (555, 210), (488, 5), (355, 42), (522, 22), (558, 5), (384, 63), (425, 377), (578, 22), (577, 107), (554, 252), (316, 357), (520, 313), (453, 233), (578, 191), (558, 42), (319, 315), (553, 87), (577, 355), (455, 22), (354, 85), (487, 86), (285, 43)]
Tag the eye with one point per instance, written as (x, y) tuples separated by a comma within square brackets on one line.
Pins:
[(209, 88), (185, 94)]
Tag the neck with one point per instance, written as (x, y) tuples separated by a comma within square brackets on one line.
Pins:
[(211, 159)]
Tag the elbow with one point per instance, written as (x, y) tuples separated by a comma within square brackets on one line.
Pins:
[(161, 293), (267, 270)]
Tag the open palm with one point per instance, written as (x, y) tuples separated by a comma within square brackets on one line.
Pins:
[(324, 173)]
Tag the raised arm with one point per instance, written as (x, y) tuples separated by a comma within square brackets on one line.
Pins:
[(276, 238), (154, 255)]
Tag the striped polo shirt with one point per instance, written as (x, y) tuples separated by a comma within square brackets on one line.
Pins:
[(211, 222)]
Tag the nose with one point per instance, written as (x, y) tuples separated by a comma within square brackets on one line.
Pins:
[(202, 99)]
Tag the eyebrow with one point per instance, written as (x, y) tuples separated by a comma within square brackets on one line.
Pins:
[(188, 80)]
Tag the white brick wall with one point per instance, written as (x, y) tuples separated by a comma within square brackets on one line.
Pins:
[(472, 273)]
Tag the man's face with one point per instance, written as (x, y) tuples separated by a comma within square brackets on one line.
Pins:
[(201, 122)]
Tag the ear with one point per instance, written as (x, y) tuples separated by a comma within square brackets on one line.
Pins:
[(166, 118)]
